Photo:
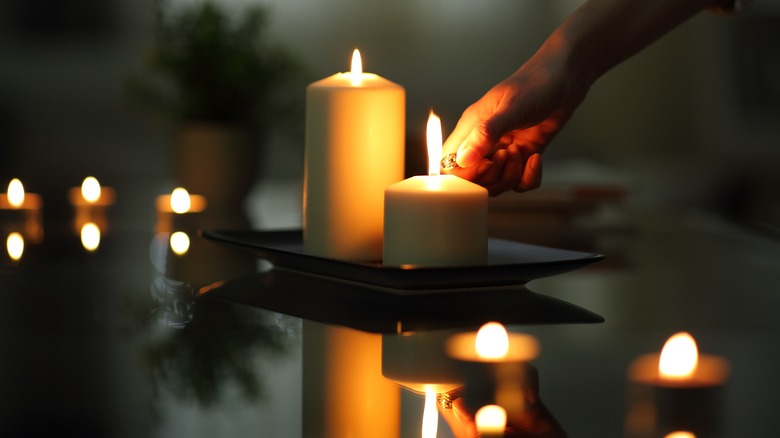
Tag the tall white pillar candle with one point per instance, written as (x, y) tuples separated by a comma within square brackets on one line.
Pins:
[(355, 135), (435, 220)]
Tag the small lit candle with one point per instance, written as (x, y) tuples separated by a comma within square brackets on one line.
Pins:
[(492, 344), (90, 236), (22, 212), (491, 421), (90, 202), (681, 385), (435, 220), (355, 136), (177, 205)]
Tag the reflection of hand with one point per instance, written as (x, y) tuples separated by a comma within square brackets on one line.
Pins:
[(500, 138), (531, 420)]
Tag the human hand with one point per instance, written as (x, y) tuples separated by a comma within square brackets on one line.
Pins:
[(500, 138)]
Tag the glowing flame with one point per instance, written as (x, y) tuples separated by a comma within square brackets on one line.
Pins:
[(180, 243), (180, 200), (433, 134), (15, 193), (15, 245), (357, 68), (430, 421), (491, 419), (90, 236), (90, 189), (679, 357), (680, 434), (492, 341)]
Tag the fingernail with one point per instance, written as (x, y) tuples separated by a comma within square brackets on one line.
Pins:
[(467, 156)]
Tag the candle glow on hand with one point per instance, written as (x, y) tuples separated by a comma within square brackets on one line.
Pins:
[(679, 357), (492, 341), (357, 68), (15, 193)]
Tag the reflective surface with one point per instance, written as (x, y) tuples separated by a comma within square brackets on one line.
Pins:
[(131, 339)]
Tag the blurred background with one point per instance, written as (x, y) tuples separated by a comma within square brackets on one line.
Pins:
[(691, 121)]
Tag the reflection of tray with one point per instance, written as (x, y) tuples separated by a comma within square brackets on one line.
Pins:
[(379, 310), (508, 263)]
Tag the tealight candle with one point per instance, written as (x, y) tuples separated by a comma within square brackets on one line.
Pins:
[(178, 203), (435, 220), (90, 202), (355, 135), (680, 384), (21, 212)]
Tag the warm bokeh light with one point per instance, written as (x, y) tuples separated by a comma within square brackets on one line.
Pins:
[(491, 420), (430, 421), (356, 73), (15, 245), (90, 189), (681, 434), (90, 236), (15, 193), (492, 341), (180, 243), (679, 357), (180, 200), (434, 139)]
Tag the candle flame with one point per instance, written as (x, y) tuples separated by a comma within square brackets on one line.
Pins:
[(430, 422), (90, 189), (433, 134), (357, 68), (15, 193), (492, 341), (679, 357), (491, 419), (14, 244), (680, 434), (180, 243), (90, 236), (180, 200)]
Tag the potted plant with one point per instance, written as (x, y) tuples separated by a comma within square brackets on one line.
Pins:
[(219, 79)]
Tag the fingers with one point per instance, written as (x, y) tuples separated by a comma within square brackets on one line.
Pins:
[(532, 174)]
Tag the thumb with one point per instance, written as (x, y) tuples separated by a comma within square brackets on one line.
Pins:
[(483, 138)]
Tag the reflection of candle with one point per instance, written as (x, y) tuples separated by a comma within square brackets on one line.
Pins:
[(679, 385), (180, 243), (90, 236), (90, 202), (21, 211), (435, 220), (14, 244), (176, 205), (491, 421), (494, 363), (354, 149)]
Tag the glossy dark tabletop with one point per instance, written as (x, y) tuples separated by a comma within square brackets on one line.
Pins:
[(133, 340)]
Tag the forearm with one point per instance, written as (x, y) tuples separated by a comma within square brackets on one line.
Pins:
[(603, 33)]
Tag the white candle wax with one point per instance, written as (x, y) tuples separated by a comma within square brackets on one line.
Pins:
[(435, 220), (355, 129)]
